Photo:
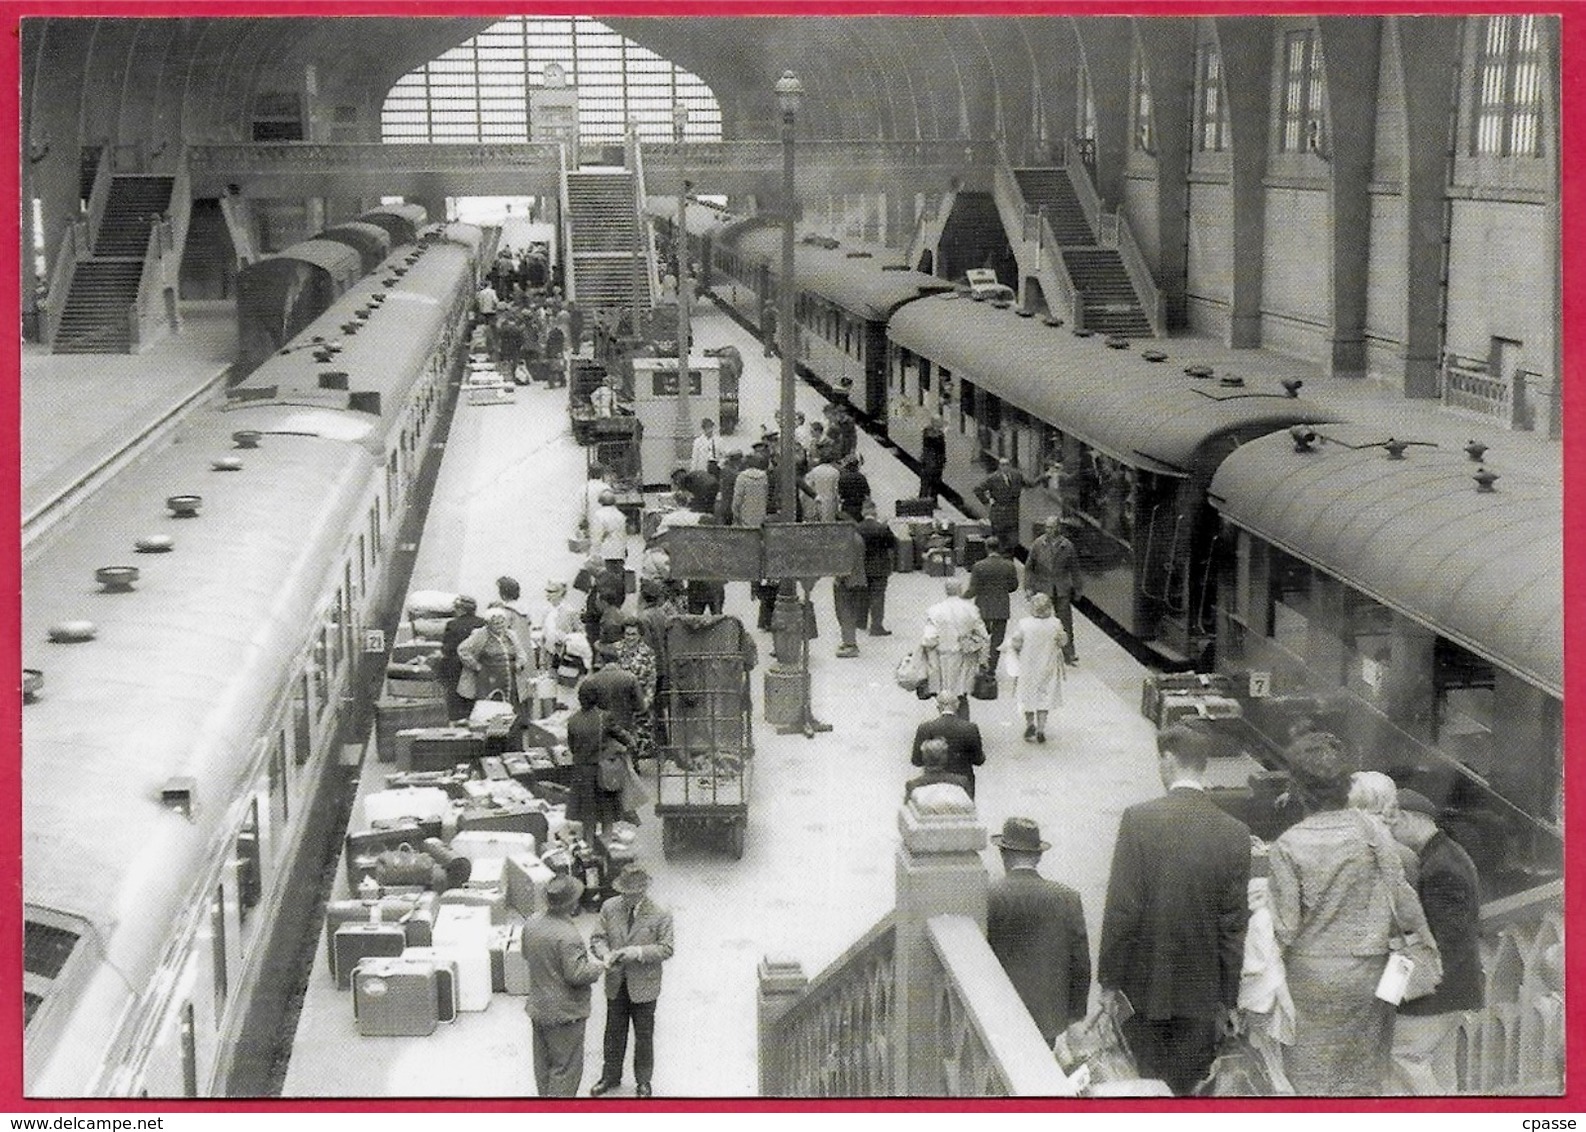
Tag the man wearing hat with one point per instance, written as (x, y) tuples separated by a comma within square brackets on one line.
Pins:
[(1036, 928), (1173, 933), (633, 940), (560, 974), (1450, 892)]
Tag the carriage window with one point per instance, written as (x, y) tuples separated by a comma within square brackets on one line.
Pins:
[(217, 955), (1368, 638), (280, 787), (1464, 686), (321, 657), (1291, 601), (249, 873)]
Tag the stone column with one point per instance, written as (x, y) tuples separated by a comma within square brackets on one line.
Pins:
[(781, 981), (939, 872)]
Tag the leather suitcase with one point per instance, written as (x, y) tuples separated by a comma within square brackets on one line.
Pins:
[(505, 819), (904, 556), (396, 715), (463, 934), (415, 914), (1204, 706), (442, 748), (477, 844), (408, 803), (961, 535), (509, 970), (368, 844), (406, 865), (1158, 684), (486, 874), (524, 877), (356, 942), (491, 901), (909, 508), (394, 998), (445, 979)]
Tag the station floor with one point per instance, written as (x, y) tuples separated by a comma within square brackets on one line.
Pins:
[(818, 868)]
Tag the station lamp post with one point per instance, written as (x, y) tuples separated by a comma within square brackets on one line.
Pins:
[(789, 92)]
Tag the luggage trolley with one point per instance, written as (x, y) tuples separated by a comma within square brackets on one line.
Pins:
[(704, 766)]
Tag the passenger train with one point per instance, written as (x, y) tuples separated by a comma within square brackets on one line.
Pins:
[(1370, 585), (196, 646)]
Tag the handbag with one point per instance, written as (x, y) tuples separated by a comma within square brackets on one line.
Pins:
[(493, 716), (1406, 946), (912, 670), (612, 771), (1010, 664), (403, 866), (984, 686)]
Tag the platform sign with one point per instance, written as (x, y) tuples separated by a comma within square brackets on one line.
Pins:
[(714, 554), (808, 550), (663, 383), (374, 640), (1260, 685)]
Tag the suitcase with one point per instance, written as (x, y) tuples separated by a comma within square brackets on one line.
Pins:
[(524, 877), (463, 934), (974, 549), (509, 970), (445, 979), (420, 804), (939, 563), (493, 767), (481, 843), (504, 819), (356, 942), (910, 508), (486, 874), (395, 998), (455, 865), (368, 844), (491, 901), (904, 555), (1158, 684), (415, 914), (442, 748), (984, 686), (961, 535), (405, 865), (393, 716), (1198, 705)]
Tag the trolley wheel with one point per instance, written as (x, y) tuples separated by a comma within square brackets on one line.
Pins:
[(735, 836), (671, 837)]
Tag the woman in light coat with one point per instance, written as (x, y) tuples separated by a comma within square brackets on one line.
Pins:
[(955, 642), (1036, 649), (493, 660)]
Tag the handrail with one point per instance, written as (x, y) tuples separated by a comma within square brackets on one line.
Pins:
[(180, 208), (141, 314), (989, 1044), (565, 226), (1084, 187), (1140, 276), (642, 228), (99, 197), (1054, 269), (72, 251), (835, 1040), (237, 226)]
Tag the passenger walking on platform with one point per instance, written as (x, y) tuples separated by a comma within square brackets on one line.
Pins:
[(1173, 932), (1036, 649), (955, 643), (1002, 492), (486, 303), (841, 431), (991, 580), (933, 757), (608, 533), (598, 484), (823, 479), (881, 558), (494, 662), (1052, 568), (590, 731), (851, 597), (965, 750), (731, 466), (509, 343), (1338, 894), (933, 459), (750, 493), (1450, 892), (561, 972), (705, 454), (768, 329), (853, 486), (448, 668), (1036, 929), (615, 688), (634, 938)]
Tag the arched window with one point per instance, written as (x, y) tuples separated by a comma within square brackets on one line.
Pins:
[(1085, 108), (1301, 127), (1211, 106), (1508, 117), (1141, 123)]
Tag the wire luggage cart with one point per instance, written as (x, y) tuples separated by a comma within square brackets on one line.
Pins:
[(705, 766)]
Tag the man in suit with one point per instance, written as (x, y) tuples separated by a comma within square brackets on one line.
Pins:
[(991, 580), (881, 555), (1052, 568), (964, 748), (1001, 492), (633, 940), (560, 974), (1450, 892), (1036, 929), (615, 689), (1173, 933)]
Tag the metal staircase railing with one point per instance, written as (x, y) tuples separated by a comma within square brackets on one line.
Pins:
[(1030, 234)]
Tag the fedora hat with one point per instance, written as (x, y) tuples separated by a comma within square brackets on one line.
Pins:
[(634, 880), (1020, 834), (1414, 802), (562, 893)]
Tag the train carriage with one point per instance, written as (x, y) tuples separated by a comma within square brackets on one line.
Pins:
[(1120, 447), (279, 295), (178, 763), (370, 241), (1398, 602), (403, 222)]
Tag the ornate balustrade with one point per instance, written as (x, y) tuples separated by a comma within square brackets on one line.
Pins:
[(918, 1006), (1469, 386), (1140, 275), (74, 248), (315, 157)]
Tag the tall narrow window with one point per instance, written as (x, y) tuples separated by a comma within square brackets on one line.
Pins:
[(1140, 106), (40, 265), (1211, 112), (1085, 109), (1300, 127), (1509, 95)]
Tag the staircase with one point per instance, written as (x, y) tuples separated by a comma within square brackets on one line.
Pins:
[(97, 318), (1049, 190), (606, 261), (1111, 305)]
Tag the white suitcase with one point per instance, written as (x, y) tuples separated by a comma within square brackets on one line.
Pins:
[(482, 844), (463, 933), (525, 877), (422, 803), (445, 979)]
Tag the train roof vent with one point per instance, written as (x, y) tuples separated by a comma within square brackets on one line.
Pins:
[(47, 946), (860, 255), (894, 267), (252, 393), (1484, 480), (333, 379), (180, 793), (365, 402)]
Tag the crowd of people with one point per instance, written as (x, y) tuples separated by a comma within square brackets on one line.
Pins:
[(527, 329)]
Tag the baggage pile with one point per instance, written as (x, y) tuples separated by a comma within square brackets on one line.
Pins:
[(442, 869)]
